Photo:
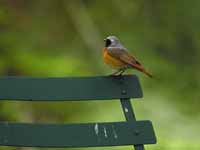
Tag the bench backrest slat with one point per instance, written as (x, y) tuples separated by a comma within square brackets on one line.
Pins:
[(95, 88)]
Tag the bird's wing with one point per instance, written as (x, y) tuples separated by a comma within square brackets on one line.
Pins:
[(124, 56)]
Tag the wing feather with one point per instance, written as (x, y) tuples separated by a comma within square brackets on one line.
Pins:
[(124, 56)]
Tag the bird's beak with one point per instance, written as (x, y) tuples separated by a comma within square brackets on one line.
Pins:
[(104, 39)]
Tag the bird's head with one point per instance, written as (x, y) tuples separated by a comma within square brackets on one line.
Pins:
[(111, 41)]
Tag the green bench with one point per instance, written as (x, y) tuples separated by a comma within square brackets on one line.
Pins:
[(129, 132)]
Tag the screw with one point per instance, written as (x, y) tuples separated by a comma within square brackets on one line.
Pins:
[(124, 92), (137, 132)]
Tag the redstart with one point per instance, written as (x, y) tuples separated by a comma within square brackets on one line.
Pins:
[(118, 57)]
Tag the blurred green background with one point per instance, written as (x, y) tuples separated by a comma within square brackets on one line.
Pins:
[(61, 38)]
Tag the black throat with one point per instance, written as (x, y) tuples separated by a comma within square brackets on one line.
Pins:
[(108, 42)]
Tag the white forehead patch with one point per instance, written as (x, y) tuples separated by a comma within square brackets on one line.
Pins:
[(112, 40)]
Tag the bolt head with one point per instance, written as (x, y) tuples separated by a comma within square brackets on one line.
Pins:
[(124, 92), (136, 132)]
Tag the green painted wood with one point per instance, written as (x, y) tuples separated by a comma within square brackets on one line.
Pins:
[(77, 135), (127, 109), (80, 88), (130, 116)]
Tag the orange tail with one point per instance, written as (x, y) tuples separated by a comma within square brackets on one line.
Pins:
[(147, 73), (141, 68)]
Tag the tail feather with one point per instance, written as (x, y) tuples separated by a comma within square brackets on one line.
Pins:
[(141, 68), (148, 74)]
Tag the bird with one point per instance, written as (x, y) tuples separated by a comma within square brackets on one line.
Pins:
[(117, 56)]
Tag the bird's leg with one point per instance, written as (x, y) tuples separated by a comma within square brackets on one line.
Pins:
[(116, 72), (122, 71)]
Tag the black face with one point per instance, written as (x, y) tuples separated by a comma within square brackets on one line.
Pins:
[(108, 42)]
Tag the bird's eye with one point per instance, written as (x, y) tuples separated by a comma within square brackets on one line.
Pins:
[(108, 42)]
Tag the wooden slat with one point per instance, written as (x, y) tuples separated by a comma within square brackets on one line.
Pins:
[(77, 135), (85, 88)]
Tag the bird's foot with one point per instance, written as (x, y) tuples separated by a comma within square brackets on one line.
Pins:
[(118, 73), (121, 72)]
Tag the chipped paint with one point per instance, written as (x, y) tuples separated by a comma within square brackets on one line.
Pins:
[(126, 109), (114, 132), (105, 132), (96, 129)]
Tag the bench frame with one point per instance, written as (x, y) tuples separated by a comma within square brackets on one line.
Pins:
[(130, 132)]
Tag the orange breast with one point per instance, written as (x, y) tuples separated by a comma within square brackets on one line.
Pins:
[(111, 61)]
